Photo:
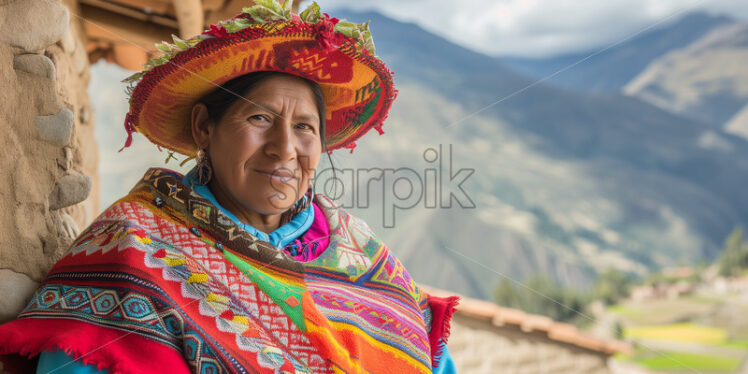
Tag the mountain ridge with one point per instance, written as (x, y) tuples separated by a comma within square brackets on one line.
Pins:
[(609, 70), (565, 183)]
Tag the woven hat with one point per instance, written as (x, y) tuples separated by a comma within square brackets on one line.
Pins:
[(339, 56)]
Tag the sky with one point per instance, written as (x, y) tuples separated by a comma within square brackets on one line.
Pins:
[(538, 28)]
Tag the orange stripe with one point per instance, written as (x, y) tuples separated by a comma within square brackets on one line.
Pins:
[(351, 349)]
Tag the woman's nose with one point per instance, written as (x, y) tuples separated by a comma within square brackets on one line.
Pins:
[(280, 143)]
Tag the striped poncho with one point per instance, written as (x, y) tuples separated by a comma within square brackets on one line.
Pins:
[(163, 281)]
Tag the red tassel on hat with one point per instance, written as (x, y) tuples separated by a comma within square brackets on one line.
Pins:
[(130, 129), (350, 146), (379, 129)]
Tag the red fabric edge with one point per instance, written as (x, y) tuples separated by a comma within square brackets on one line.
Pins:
[(105, 348), (442, 309)]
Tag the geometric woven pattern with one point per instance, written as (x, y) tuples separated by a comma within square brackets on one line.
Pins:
[(127, 310), (394, 317), (229, 282), (222, 292), (130, 309), (160, 267)]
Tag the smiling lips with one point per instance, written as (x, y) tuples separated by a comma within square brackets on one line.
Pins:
[(280, 175)]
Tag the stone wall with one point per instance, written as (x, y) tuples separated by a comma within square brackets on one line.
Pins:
[(49, 155), (479, 347)]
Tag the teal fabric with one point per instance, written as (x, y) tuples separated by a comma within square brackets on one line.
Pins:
[(446, 364), (280, 237), (58, 362)]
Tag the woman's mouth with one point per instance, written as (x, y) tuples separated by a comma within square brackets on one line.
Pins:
[(280, 175)]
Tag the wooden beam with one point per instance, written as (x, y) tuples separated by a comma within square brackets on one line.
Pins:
[(190, 17), (211, 5), (163, 7), (132, 13), (112, 26), (230, 8), (129, 56)]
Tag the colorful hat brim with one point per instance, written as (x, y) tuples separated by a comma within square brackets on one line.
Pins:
[(357, 86)]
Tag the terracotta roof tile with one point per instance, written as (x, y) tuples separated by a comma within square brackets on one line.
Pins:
[(557, 331), (504, 316), (534, 322)]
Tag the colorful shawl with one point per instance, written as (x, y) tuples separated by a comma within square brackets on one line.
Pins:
[(150, 287)]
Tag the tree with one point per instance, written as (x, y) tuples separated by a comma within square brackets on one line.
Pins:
[(618, 331), (734, 257), (540, 295), (506, 295), (612, 285)]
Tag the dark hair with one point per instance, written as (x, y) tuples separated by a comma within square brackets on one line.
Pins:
[(218, 101)]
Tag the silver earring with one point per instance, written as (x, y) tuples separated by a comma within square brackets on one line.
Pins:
[(306, 199), (204, 171)]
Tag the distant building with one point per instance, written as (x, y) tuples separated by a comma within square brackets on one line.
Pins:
[(722, 285), (661, 291), (681, 272), (642, 293)]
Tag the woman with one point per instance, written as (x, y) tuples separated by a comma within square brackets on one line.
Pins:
[(238, 266)]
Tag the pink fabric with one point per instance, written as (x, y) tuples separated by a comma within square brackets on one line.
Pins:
[(314, 241)]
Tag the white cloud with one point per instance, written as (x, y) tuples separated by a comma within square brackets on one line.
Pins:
[(538, 27)]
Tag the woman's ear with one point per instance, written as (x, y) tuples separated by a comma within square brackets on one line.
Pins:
[(200, 125)]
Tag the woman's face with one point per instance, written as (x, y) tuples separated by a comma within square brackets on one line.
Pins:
[(265, 149)]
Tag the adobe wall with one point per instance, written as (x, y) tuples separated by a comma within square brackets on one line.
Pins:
[(479, 347), (48, 167)]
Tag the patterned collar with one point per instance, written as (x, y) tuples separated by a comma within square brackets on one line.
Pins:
[(352, 250), (167, 191), (280, 237)]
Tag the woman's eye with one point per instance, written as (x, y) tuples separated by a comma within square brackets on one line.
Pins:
[(259, 117), (304, 126)]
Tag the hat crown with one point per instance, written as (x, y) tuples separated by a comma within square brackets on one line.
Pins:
[(338, 55), (264, 12)]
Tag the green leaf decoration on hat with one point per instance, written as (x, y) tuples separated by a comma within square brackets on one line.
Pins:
[(311, 14), (269, 10), (237, 24), (264, 11), (359, 32)]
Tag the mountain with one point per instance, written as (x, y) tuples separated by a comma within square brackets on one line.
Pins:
[(561, 182), (612, 68), (706, 80), (694, 67), (597, 179)]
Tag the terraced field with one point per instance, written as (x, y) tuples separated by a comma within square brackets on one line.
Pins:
[(704, 334)]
